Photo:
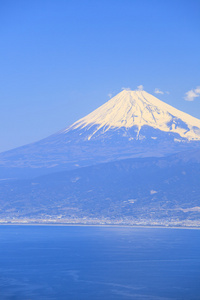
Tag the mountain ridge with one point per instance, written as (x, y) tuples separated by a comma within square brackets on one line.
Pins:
[(139, 108), (157, 130), (140, 191)]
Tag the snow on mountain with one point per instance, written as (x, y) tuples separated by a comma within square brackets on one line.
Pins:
[(131, 124), (139, 108)]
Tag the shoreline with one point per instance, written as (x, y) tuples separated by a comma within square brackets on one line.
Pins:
[(101, 225)]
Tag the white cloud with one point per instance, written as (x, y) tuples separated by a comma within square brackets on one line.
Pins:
[(152, 192), (157, 91), (126, 89), (110, 95), (197, 90), (192, 94), (140, 87)]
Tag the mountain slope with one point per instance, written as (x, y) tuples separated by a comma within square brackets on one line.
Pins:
[(138, 108), (162, 191), (131, 124)]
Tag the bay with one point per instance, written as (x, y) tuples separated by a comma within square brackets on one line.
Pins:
[(99, 262)]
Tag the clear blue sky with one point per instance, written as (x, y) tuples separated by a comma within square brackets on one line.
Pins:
[(60, 59)]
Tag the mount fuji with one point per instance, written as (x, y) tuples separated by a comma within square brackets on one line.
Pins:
[(132, 124), (135, 109), (135, 160)]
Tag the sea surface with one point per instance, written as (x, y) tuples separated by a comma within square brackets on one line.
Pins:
[(89, 263)]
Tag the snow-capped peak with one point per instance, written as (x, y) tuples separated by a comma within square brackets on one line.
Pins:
[(139, 108)]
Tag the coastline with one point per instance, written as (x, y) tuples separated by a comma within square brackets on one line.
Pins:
[(100, 225)]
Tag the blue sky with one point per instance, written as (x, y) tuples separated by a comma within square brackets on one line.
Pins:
[(62, 59)]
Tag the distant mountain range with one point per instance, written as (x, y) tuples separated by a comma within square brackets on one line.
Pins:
[(137, 191), (135, 161)]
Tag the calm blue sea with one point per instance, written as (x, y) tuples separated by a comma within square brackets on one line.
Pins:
[(88, 263)]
